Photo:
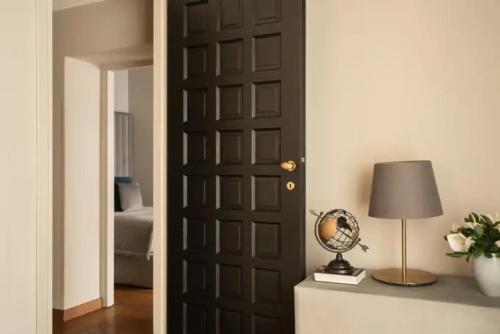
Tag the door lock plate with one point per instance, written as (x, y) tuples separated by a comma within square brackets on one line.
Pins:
[(290, 185)]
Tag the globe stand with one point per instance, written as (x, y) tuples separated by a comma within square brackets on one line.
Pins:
[(339, 266)]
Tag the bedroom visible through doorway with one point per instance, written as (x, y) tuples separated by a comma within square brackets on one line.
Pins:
[(125, 248), (103, 168), (133, 176)]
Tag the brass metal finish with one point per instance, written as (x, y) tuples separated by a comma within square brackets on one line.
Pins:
[(289, 166), (414, 277), (290, 185), (404, 276), (404, 272)]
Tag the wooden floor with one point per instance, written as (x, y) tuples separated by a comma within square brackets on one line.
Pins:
[(131, 314)]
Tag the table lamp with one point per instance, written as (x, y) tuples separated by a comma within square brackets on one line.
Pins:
[(404, 190)]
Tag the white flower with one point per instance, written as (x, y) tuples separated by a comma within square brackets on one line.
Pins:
[(497, 243), (459, 243), (455, 228), (456, 242)]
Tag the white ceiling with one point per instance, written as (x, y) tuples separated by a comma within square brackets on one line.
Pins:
[(65, 4)]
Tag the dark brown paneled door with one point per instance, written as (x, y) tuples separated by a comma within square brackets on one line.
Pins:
[(236, 104)]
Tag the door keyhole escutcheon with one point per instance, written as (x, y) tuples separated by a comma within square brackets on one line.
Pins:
[(290, 185), (289, 166)]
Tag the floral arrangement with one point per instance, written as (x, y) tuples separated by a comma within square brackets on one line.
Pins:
[(479, 235)]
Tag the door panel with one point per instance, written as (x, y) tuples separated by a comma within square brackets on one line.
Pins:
[(236, 97)]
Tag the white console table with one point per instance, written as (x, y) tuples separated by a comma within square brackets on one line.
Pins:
[(451, 306)]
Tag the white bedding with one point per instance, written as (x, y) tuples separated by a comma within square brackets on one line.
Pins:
[(134, 232)]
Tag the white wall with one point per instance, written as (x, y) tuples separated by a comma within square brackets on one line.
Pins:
[(395, 80), (17, 166), (140, 98), (81, 165), (121, 90)]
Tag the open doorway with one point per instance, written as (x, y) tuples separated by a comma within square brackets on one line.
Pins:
[(133, 174), (103, 168)]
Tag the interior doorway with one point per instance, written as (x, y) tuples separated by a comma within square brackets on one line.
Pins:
[(126, 201), (98, 56), (128, 248)]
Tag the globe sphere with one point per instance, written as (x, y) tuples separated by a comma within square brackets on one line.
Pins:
[(337, 231)]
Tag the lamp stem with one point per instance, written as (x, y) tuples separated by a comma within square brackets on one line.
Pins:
[(404, 271)]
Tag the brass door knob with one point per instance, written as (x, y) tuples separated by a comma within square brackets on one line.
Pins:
[(289, 166)]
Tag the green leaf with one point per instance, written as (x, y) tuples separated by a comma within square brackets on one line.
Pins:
[(494, 249), (479, 230), (488, 255), (495, 233), (487, 219), (477, 252), (456, 254), (475, 217), (467, 232)]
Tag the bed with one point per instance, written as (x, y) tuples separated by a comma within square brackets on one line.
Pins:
[(134, 247)]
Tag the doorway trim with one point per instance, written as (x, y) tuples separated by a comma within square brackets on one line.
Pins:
[(44, 179), (106, 157), (160, 167)]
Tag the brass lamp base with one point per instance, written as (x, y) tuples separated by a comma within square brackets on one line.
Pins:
[(413, 277)]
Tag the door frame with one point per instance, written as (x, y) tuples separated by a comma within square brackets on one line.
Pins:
[(44, 179), (107, 172)]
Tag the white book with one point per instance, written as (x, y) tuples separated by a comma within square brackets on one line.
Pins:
[(354, 279)]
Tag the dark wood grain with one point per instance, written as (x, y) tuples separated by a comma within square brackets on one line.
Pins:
[(131, 314)]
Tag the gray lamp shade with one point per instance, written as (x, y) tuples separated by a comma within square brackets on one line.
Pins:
[(404, 190)]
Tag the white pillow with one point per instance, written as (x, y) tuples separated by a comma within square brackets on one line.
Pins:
[(130, 196)]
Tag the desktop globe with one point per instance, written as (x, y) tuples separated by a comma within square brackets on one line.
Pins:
[(337, 231)]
